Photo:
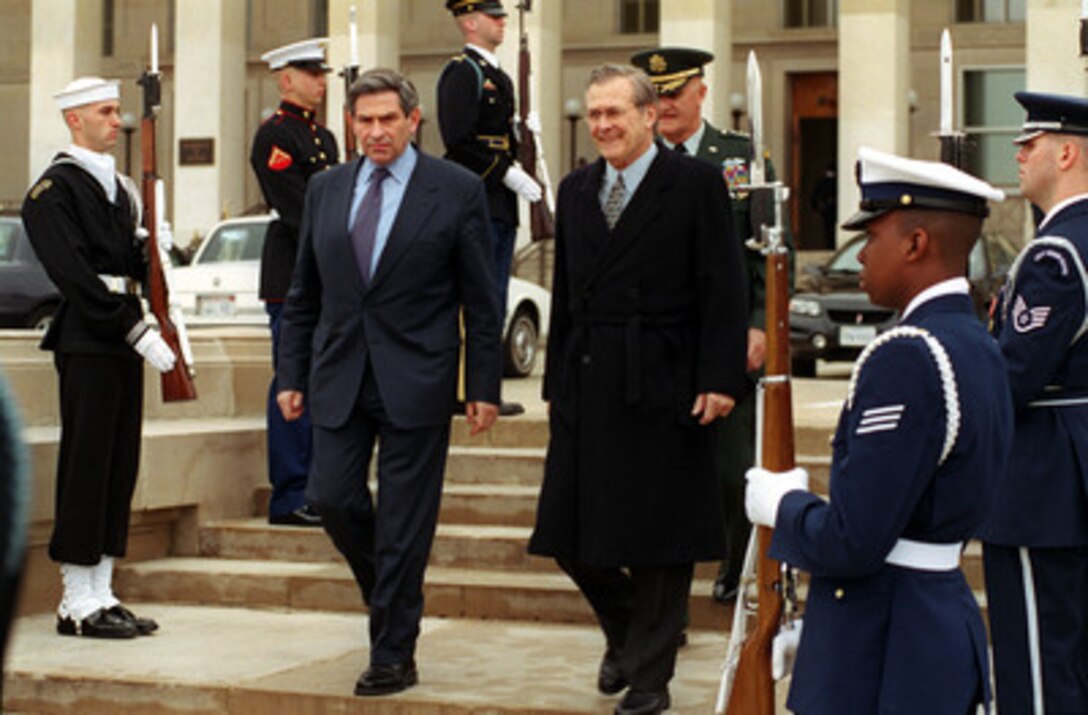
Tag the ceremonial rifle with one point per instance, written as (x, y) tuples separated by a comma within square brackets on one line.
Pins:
[(350, 73), (177, 384), (530, 155), (747, 685)]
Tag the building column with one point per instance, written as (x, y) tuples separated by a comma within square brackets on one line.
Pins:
[(211, 154), (63, 36), (377, 45), (874, 83), (705, 25), (1052, 47)]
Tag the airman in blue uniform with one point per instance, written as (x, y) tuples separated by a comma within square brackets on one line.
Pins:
[(1035, 543), (890, 624)]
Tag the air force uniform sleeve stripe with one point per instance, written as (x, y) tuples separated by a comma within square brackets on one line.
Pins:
[(880, 419), (1053, 248), (1026, 319)]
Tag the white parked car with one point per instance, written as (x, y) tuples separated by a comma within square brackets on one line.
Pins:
[(219, 287)]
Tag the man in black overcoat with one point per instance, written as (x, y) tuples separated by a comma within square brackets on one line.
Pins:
[(647, 348)]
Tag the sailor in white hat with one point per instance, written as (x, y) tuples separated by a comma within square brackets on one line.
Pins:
[(82, 218), (289, 148), (890, 623)]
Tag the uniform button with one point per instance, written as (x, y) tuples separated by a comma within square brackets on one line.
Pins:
[(586, 360), (322, 155), (839, 593), (317, 140)]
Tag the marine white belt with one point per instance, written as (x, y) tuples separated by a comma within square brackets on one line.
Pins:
[(119, 284), (925, 557)]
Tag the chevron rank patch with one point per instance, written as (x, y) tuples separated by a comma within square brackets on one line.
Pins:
[(1026, 319), (39, 188), (880, 419), (278, 159)]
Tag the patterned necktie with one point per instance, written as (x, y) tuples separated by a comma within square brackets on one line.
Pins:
[(365, 228), (613, 205)]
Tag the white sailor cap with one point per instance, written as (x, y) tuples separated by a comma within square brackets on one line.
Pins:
[(87, 90), (306, 55), (890, 182)]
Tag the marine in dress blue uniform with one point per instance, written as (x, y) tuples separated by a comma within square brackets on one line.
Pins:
[(289, 148), (1035, 543), (890, 623)]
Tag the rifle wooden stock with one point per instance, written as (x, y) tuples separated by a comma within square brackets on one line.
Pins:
[(177, 384), (753, 685), (350, 73), (541, 220)]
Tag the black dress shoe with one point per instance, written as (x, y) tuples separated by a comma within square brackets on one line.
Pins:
[(639, 702), (303, 516), (144, 626), (509, 409), (387, 679), (100, 624), (725, 589), (609, 678)]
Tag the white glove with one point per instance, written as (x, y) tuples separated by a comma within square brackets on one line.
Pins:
[(154, 349), (165, 237), (784, 649), (532, 122), (766, 489), (518, 181)]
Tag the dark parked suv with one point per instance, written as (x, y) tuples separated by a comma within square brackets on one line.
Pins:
[(831, 318), (28, 298)]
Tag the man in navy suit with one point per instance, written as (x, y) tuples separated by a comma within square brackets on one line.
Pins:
[(1035, 543), (393, 249), (890, 623)]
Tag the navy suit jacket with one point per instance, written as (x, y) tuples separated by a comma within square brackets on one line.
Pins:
[(404, 324)]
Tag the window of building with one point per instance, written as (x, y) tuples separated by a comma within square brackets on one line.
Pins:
[(992, 118), (639, 16), (990, 10), (107, 27), (810, 13), (319, 18)]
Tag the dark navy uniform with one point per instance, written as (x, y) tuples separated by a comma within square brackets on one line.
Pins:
[(1035, 543), (289, 148), (475, 116), (80, 235), (881, 637)]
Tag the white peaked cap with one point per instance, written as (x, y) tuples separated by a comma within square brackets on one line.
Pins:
[(87, 90), (307, 52)]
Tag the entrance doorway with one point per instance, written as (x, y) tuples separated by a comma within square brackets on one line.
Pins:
[(814, 155)]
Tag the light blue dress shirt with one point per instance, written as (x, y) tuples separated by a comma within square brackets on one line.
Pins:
[(633, 174), (400, 171)]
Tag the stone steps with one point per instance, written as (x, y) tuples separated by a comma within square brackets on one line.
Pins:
[(212, 660), (329, 586)]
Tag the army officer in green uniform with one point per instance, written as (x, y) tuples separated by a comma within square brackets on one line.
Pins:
[(677, 73)]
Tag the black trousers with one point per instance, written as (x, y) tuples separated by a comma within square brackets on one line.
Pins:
[(1038, 611), (642, 611), (387, 545), (101, 410)]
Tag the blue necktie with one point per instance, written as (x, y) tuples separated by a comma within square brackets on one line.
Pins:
[(365, 228)]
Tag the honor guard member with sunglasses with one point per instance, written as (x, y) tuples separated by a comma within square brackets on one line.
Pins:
[(289, 148), (677, 73), (1035, 543), (83, 218), (891, 625)]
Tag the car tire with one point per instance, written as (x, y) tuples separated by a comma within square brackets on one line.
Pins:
[(521, 345), (41, 318), (803, 367)]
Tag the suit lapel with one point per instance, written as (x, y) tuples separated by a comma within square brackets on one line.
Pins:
[(639, 213), (420, 198), (338, 212)]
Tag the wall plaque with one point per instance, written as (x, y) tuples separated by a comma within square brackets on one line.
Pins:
[(196, 152)]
